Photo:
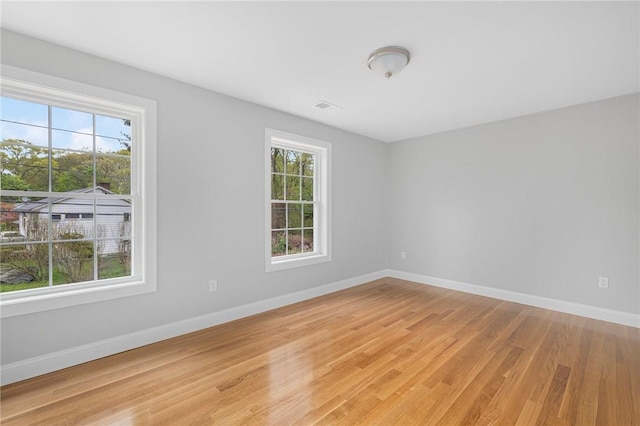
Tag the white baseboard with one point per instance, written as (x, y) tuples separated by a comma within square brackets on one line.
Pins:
[(609, 315), (36, 366)]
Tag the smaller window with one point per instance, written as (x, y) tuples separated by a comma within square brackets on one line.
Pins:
[(127, 217), (297, 200), (56, 217), (72, 216), (87, 215)]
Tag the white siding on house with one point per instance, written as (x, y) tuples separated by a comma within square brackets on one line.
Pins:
[(111, 219)]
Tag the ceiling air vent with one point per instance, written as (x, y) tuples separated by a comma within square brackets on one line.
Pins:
[(327, 105)]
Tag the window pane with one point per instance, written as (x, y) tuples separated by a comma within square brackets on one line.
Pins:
[(308, 215), (277, 187), (28, 217), (307, 240), (295, 242), (278, 216), (67, 225), (71, 170), (277, 160), (295, 216), (27, 134), (113, 173), (293, 188), (113, 134), (114, 258), (308, 163), (71, 120), (24, 166), (293, 163), (24, 112), (23, 121), (278, 243), (24, 266), (112, 220), (307, 189), (73, 260), (112, 146), (71, 140)]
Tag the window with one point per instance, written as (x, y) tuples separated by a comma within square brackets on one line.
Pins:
[(77, 215), (297, 196), (71, 151)]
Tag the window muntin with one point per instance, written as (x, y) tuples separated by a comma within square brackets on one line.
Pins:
[(297, 200), (126, 179)]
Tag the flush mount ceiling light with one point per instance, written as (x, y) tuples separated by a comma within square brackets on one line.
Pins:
[(389, 61)]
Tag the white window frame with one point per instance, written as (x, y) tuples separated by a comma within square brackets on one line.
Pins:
[(35, 87), (322, 194)]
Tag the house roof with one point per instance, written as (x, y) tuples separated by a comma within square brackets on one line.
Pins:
[(37, 205)]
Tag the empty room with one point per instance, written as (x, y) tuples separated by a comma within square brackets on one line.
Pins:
[(298, 213)]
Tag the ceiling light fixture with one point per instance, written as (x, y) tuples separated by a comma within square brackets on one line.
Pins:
[(389, 60)]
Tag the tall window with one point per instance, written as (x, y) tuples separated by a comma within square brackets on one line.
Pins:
[(297, 200), (72, 167)]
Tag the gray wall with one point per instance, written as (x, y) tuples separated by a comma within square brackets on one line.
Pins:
[(210, 206), (542, 204)]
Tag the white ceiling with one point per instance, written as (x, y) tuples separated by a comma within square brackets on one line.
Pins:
[(472, 62)]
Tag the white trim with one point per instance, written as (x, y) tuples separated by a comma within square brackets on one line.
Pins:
[(322, 188), (36, 366), (42, 88), (609, 315)]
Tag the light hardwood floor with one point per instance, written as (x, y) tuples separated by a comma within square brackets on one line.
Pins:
[(387, 352)]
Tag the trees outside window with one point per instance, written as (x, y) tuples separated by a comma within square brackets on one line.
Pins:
[(297, 199)]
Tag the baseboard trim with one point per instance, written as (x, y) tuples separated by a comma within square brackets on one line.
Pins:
[(36, 366), (594, 312)]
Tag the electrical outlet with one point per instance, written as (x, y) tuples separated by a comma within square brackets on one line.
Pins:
[(213, 285), (403, 255), (603, 282)]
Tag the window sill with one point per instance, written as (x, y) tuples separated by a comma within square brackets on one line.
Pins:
[(39, 301), (296, 262)]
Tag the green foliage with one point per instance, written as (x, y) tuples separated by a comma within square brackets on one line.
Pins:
[(32, 259), (27, 162), (8, 181), (278, 243), (111, 268), (72, 170), (74, 259), (26, 167), (292, 175), (4, 287)]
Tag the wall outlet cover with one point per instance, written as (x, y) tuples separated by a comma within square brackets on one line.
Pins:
[(603, 282)]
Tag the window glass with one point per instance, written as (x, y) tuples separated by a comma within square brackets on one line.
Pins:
[(58, 151)]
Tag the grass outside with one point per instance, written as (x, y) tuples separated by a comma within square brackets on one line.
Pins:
[(110, 267)]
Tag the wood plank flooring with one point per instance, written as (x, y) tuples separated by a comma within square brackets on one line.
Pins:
[(387, 352)]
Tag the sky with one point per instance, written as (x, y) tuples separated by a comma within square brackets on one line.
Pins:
[(71, 129)]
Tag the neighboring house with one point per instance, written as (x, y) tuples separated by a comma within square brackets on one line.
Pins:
[(110, 220)]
